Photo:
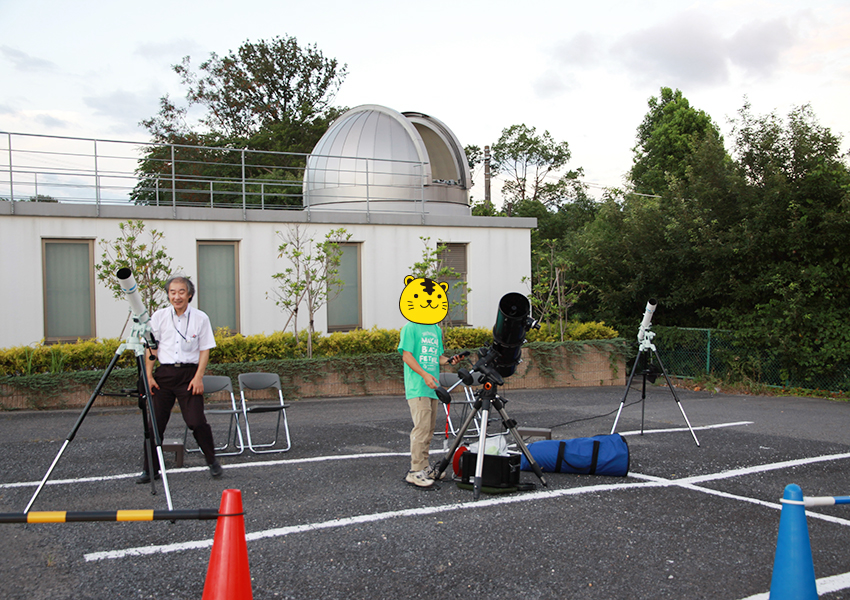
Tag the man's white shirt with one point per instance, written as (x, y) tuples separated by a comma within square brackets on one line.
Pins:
[(181, 338)]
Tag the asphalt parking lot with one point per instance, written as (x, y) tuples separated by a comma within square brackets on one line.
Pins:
[(333, 519)]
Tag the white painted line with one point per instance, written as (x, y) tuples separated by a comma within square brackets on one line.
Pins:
[(265, 463), (680, 429), (371, 518), (825, 585)]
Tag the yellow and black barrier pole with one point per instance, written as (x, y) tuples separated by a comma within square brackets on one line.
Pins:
[(61, 516)]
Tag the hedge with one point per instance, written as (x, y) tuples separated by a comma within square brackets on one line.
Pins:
[(93, 355)]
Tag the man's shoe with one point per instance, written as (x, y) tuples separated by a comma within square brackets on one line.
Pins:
[(431, 473), (419, 479), (145, 477), (215, 469)]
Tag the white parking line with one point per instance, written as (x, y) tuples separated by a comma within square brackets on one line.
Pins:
[(649, 481)]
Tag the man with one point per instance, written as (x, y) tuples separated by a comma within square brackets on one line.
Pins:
[(184, 336)]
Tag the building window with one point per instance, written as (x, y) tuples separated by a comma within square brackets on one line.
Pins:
[(217, 285), (344, 309), (68, 289), (453, 257)]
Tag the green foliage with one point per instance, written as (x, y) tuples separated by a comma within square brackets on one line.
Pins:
[(666, 140), (92, 355), (312, 277), (148, 261), (533, 165), (265, 99), (84, 355)]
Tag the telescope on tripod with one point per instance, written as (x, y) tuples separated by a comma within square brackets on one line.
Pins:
[(139, 340), (648, 369), (495, 362)]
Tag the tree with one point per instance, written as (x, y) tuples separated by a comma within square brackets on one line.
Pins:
[(269, 97), (149, 262), (667, 137), (790, 263), (553, 289), (262, 84), (313, 277), (533, 165)]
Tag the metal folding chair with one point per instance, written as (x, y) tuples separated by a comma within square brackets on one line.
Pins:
[(212, 385), (447, 380), (264, 381)]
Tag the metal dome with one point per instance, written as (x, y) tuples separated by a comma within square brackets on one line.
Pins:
[(374, 158)]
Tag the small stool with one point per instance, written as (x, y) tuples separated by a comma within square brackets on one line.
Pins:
[(535, 432), (175, 446)]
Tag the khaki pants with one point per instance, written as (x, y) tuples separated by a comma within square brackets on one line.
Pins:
[(424, 413)]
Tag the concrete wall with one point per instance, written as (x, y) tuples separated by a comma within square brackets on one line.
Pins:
[(498, 258)]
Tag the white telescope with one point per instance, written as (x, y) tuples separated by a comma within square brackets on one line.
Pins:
[(647, 319), (131, 292)]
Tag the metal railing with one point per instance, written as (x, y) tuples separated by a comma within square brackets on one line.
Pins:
[(41, 168)]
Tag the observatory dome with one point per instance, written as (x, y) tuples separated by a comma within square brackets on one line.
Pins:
[(374, 158)]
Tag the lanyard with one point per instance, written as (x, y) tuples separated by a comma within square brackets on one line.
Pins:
[(177, 329)]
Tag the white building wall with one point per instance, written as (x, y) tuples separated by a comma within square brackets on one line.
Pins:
[(498, 258)]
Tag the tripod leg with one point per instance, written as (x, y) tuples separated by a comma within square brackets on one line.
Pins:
[(458, 439), (140, 360), (628, 385), (482, 441), (511, 425), (76, 427), (678, 402), (643, 402)]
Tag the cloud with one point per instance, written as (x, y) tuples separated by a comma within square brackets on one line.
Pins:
[(172, 51), (50, 121), (686, 50), (24, 62), (690, 49), (581, 50), (552, 84), (126, 109), (758, 46)]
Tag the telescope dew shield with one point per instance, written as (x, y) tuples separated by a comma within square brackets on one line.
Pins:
[(131, 292), (647, 318), (509, 332)]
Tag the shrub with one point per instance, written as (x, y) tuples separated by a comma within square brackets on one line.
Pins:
[(93, 355)]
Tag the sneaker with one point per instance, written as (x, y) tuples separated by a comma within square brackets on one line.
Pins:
[(215, 469), (419, 479), (145, 477), (431, 473)]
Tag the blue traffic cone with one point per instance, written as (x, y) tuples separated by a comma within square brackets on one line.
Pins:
[(793, 567)]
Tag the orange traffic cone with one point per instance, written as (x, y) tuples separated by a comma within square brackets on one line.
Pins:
[(228, 576)]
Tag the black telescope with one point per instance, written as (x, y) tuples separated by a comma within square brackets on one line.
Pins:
[(512, 324), (500, 359)]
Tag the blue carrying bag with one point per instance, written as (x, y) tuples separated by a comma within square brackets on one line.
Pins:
[(599, 455)]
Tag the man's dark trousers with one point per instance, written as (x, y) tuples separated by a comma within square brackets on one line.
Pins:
[(173, 385)]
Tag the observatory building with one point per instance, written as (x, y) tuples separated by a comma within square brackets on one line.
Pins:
[(374, 158), (398, 184)]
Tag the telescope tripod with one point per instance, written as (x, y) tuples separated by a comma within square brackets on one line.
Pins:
[(646, 346), (485, 398), (136, 342)]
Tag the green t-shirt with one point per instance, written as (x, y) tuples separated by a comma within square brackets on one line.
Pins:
[(425, 343)]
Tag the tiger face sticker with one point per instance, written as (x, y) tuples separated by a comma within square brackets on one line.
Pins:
[(424, 300)]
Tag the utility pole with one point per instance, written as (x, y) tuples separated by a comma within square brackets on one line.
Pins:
[(487, 202)]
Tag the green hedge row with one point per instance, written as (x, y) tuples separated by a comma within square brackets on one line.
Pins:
[(92, 355)]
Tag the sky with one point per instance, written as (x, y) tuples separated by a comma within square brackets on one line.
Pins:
[(582, 71)]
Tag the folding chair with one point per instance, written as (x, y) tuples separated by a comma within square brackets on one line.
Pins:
[(213, 384), (264, 381), (447, 380)]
